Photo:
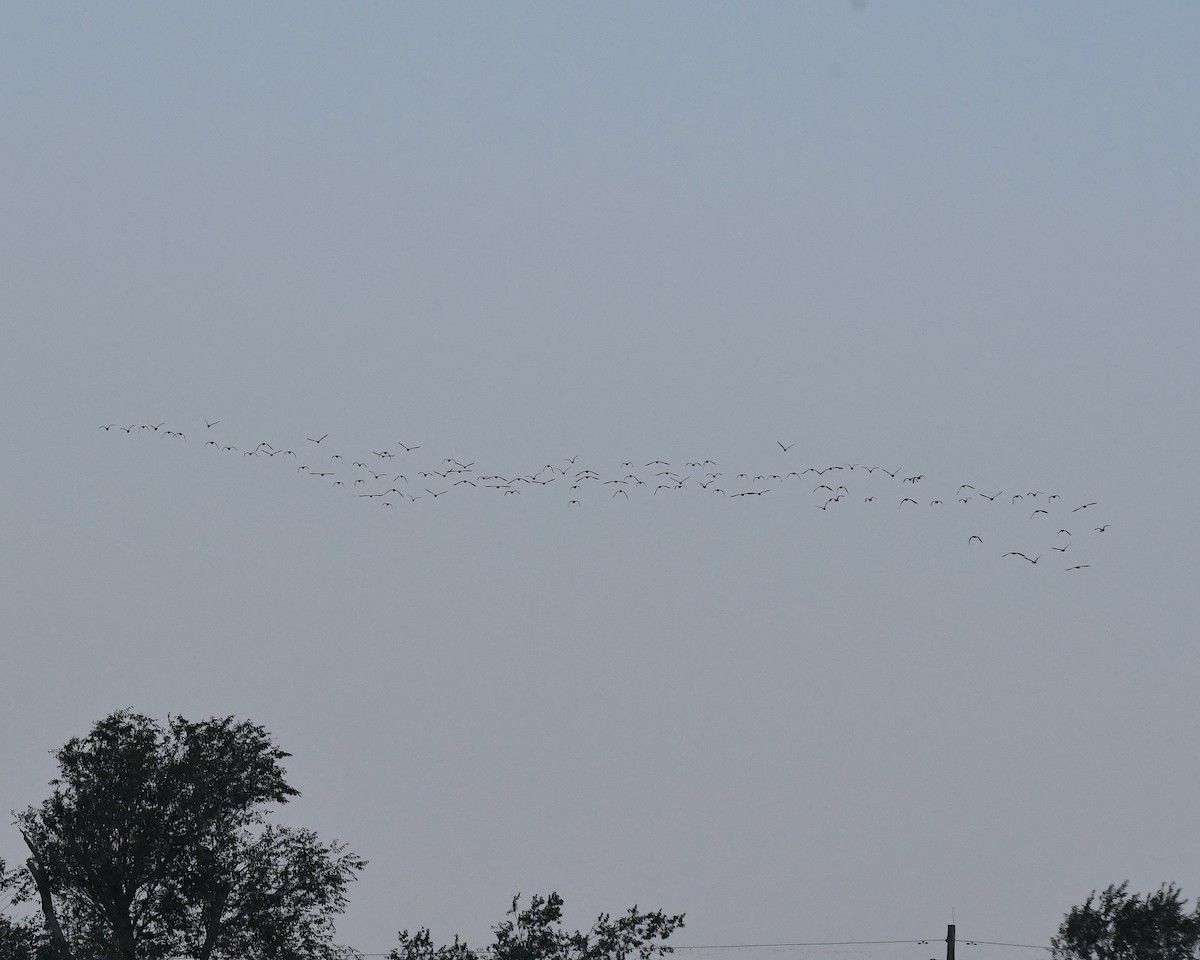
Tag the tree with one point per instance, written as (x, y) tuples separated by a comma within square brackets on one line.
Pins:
[(155, 843), (535, 933), (1118, 925), (20, 939)]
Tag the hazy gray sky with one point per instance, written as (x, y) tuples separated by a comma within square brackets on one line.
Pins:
[(955, 240)]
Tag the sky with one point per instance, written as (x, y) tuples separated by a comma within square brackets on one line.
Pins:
[(953, 242)]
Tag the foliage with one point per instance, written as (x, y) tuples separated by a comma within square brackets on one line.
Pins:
[(1118, 925), (154, 843), (535, 933), (20, 939)]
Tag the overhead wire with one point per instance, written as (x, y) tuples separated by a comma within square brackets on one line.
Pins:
[(961, 941)]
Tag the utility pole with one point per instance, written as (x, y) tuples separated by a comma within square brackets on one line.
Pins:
[(949, 941)]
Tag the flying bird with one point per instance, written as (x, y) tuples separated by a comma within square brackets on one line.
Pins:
[(314, 440), (788, 447)]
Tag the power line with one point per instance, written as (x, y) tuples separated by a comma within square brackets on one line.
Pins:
[(812, 943)]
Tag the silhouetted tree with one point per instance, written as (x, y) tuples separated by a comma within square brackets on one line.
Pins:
[(1118, 925), (155, 843), (535, 933), (21, 938)]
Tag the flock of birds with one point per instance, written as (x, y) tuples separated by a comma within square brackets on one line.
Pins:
[(399, 474)]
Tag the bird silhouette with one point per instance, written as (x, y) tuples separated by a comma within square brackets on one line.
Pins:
[(755, 484)]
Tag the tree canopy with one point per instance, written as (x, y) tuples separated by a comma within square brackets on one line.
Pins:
[(535, 932), (1118, 925), (20, 938), (155, 843)]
